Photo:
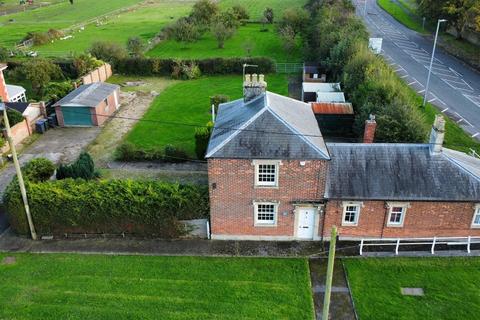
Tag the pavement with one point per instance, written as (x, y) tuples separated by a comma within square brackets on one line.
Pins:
[(58, 145), (454, 86)]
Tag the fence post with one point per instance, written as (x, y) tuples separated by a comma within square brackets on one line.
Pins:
[(396, 247), (433, 245), (468, 244), (361, 247)]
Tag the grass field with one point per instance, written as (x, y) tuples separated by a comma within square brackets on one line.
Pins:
[(256, 7), (402, 14), (58, 16), (61, 286), (188, 102), (145, 22), (450, 285), (262, 44)]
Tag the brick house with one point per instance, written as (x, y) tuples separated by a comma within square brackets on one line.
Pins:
[(88, 105), (272, 177)]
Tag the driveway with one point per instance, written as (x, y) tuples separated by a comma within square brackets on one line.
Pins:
[(60, 145), (454, 87)]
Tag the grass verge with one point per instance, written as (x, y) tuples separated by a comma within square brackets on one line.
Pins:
[(68, 286), (185, 105), (450, 286)]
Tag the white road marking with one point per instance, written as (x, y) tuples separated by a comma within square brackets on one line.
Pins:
[(471, 125), (403, 77), (421, 91), (412, 83)]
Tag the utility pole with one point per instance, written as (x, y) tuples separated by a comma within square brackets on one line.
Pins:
[(328, 284), (431, 62), (21, 183), (365, 9)]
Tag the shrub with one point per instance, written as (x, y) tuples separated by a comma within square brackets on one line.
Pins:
[(14, 117), (83, 168), (175, 154), (4, 54), (185, 70), (184, 30), (85, 62), (57, 90), (268, 15), (108, 51), (202, 137), (217, 99), (240, 12), (38, 170), (38, 38), (55, 34), (147, 208), (135, 46), (221, 33), (39, 72)]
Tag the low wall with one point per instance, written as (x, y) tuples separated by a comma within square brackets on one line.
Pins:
[(20, 131), (101, 74)]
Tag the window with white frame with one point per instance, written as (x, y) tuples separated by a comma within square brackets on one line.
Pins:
[(396, 215), (265, 213), (351, 213), (266, 174), (476, 217)]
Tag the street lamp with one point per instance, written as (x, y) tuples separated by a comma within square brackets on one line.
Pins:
[(21, 183), (365, 9), (431, 61)]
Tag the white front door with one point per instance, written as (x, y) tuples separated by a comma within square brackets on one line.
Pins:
[(306, 223)]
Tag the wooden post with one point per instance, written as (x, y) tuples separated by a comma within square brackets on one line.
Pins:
[(19, 172), (328, 284)]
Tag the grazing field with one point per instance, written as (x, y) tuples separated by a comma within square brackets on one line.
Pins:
[(188, 103), (67, 286), (14, 27), (256, 7), (260, 43), (450, 286)]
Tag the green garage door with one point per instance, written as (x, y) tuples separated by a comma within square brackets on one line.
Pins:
[(77, 116)]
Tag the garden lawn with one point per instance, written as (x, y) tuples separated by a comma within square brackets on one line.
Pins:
[(57, 16), (62, 286), (185, 105), (266, 44), (450, 285), (256, 7), (143, 22)]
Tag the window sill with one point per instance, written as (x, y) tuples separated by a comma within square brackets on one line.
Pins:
[(475, 226), (349, 224), (394, 225), (265, 187), (262, 225)]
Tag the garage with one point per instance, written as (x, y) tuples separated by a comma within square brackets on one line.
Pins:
[(77, 116)]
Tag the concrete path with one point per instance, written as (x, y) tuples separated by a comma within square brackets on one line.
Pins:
[(9, 242), (341, 305), (454, 86)]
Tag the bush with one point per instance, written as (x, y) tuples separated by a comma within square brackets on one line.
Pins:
[(203, 12), (202, 137), (240, 12), (38, 38), (83, 168), (217, 99), (85, 62), (14, 117), (54, 91), (38, 170), (108, 51), (146, 208), (268, 15), (185, 70), (184, 30), (175, 154), (4, 54)]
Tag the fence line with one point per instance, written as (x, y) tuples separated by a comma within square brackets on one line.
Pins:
[(289, 67)]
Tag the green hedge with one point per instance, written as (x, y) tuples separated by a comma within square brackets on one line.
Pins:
[(144, 208), (164, 67)]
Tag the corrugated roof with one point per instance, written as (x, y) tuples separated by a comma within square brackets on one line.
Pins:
[(332, 108), (330, 97), (270, 126), (88, 95), (321, 86), (399, 172)]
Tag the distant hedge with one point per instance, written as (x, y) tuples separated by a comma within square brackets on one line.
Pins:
[(144, 208), (163, 67)]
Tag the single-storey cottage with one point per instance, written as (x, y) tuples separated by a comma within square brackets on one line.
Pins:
[(88, 105), (272, 177)]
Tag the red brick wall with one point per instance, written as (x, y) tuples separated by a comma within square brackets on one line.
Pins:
[(232, 210), (422, 219), (101, 109), (3, 87)]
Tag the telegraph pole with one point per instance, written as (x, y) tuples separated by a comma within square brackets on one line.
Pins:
[(328, 284), (21, 183)]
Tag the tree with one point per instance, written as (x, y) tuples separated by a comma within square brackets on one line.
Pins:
[(240, 12), (184, 30), (39, 72), (224, 27), (135, 46), (268, 14), (85, 62), (203, 12), (107, 51), (460, 12), (288, 38), (4, 54), (296, 18)]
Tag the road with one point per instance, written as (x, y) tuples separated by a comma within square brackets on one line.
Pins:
[(454, 87)]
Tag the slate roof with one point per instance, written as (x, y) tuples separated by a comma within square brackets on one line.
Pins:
[(400, 172), (19, 106), (270, 126), (88, 95)]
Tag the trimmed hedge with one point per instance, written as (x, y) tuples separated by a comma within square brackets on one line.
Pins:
[(164, 67), (146, 208)]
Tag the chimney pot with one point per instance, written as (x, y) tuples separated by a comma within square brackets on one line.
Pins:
[(248, 78), (370, 127), (254, 87)]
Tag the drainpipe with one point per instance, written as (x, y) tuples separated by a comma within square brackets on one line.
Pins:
[(384, 219)]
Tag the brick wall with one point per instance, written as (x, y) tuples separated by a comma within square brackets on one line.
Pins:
[(422, 219), (101, 109), (231, 200), (3, 87)]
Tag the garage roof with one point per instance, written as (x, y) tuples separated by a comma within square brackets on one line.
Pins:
[(88, 95)]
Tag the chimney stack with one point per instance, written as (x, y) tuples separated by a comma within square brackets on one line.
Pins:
[(253, 86), (3, 85), (437, 135), (370, 127)]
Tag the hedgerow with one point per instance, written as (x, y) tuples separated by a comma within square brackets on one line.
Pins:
[(145, 208)]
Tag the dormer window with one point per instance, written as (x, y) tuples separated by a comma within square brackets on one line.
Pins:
[(266, 173)]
